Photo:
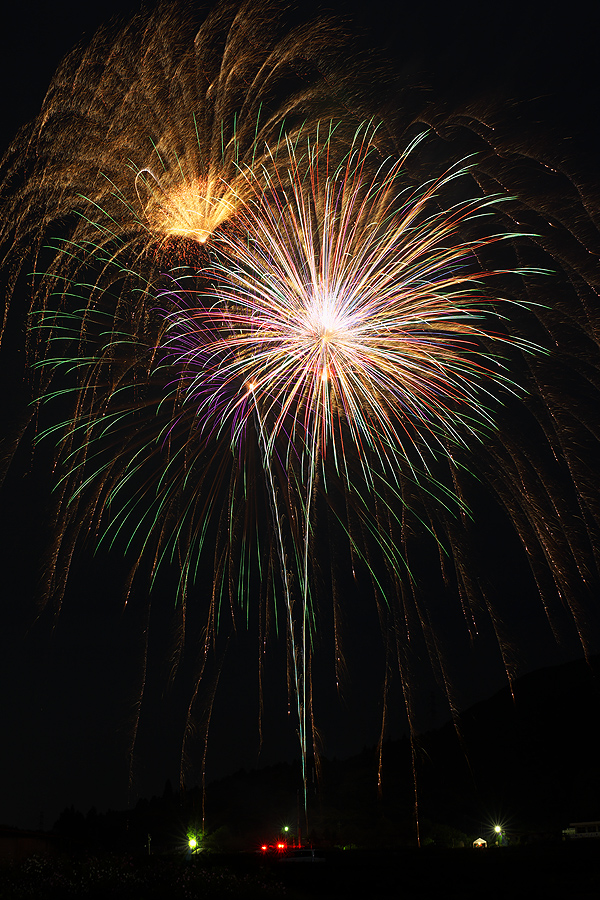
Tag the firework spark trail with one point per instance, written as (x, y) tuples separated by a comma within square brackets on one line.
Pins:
[(297, 665)]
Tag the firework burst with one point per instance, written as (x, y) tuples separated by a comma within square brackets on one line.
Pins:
[(339, 327), (151, 143), (345, 295)]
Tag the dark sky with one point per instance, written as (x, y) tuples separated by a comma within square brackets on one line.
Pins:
[(70, 685)]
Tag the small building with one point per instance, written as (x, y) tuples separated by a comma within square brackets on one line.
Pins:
[(479, 843), (16, 844), (582, 830)]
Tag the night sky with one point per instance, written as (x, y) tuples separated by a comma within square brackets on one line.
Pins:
[(71, 682)]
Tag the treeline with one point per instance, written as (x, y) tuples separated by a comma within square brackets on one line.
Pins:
[(525, 759)]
